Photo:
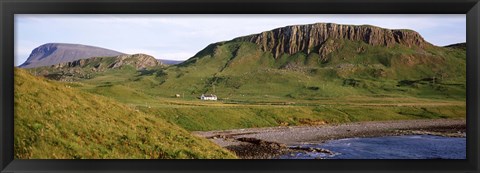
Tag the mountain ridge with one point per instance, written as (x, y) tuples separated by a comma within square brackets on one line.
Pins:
[(40, 55), (138, 61), (363, 57), (311, 38), (54, 53), (369, 59), (86, 68), (296, 38), (462, 45)]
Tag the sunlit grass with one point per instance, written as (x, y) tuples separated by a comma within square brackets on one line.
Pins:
[(53, 120)]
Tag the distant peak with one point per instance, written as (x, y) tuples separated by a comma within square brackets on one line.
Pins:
[(458, 46), (54, 53)]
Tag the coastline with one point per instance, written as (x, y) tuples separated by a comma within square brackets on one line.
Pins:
[(270, 142)]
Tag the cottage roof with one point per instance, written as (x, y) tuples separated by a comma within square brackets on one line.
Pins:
[(209, 95)]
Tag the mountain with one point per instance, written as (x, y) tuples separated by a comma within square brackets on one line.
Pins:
[(87, 68), (326, 57), (318, 73), (169, 62), (299, 62), (54, 120), (458, 46), (138, 61), (55, 53), (312, 38)]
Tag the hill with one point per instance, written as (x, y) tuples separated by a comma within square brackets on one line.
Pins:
[(55, 121), (55, 53), (89, 68), (323, 60), (458, 46), (169, 62), (298, 75)]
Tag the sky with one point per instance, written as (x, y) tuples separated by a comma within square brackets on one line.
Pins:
[(179, 37)]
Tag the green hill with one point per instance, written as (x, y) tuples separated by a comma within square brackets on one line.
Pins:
[(300, 62), (56, 121), (90, 67), (296, 75), (241, 70)]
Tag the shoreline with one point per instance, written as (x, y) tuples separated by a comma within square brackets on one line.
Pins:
[(270, 142)]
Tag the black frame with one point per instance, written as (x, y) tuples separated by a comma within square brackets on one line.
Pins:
[(10, 7)]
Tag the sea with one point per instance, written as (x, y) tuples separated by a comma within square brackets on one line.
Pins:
[(387, 147)]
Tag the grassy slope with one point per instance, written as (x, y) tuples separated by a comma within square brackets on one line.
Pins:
[(53, 120), (376, 83), (240, 71), (204, 118), (253, 87)]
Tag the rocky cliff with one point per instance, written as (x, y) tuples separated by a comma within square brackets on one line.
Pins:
[(86, 68), (312, 38), (139, 61)]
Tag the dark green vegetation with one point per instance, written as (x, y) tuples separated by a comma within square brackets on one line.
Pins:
[(53, 120), (341, 80)]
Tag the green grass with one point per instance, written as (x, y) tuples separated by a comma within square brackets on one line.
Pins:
[(241, 71), (200, 116), (256, 90), (101, 112), (56, 121), (355, 82)]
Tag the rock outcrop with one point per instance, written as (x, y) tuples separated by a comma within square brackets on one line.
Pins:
[(87, 68), (139, 61), (313, 37)]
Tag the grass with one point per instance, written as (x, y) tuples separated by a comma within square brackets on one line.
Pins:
[(241, 71), (204, 116), (130, 113), (257, 90), (55, 121)]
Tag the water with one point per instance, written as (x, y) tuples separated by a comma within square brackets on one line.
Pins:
[(391, 147)]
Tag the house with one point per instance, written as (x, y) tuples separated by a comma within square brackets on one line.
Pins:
[(208, 97)]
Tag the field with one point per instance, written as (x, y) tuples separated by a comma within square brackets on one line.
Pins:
[(331, 104)]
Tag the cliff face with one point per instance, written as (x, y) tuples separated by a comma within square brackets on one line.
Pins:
[(138, 61), (312, 38), (85, 68)]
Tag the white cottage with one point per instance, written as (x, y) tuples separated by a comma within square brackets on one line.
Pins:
[(208, 97)]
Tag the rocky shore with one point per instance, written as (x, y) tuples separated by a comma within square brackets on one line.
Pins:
[(271, 142)]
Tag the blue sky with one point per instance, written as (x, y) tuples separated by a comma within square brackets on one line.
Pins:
[(178, 37)]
